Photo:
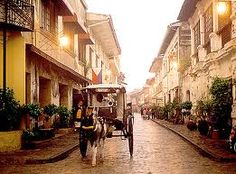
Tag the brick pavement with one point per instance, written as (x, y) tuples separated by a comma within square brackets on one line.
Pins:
[(61, 146), (47, 151), (215, 149)]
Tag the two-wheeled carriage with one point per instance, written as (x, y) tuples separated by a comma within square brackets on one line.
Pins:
[(110, 103)]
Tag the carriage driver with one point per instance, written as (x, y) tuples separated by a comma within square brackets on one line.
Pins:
[(87, 120)]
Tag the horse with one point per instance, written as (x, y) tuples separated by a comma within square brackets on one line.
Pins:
[(94, 129)]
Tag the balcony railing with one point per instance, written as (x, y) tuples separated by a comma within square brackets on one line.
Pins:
[(17, 15)]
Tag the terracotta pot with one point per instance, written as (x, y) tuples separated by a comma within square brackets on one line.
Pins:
[(215, 134)]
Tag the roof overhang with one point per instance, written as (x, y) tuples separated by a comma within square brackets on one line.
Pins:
[(86, 38), (75, 23), (171, 30), (156, 64), (103, 29), (64, 8), (34, 50), (187, 9)]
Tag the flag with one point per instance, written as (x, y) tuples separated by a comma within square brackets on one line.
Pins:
[(97, 75)]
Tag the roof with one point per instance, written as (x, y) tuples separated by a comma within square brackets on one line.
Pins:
[(156, 64), (103, 29), (171, 30), (106, 86), (187, 9)]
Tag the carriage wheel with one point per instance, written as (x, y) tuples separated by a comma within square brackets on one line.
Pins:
[(130, 136)]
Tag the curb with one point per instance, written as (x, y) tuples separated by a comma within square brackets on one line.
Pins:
[(54, 158), (202, 151)]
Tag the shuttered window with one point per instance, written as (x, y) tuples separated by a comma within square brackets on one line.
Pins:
[(196, 35)]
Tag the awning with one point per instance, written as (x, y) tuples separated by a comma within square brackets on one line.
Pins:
[(64, 8), (31, 48)]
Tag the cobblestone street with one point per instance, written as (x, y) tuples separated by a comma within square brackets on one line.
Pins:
[(156, 150)]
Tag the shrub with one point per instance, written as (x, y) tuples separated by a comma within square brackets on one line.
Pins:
[(65, 116), (221, 91), (50, 109), (32, 109), (186, 105), (191, 125), (9, 111), (203, 127)]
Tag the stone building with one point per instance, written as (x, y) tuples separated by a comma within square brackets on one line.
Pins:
[(171, 62), (55, 60), (212, 45)]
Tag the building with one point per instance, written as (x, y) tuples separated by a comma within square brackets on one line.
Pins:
[(56, 59)]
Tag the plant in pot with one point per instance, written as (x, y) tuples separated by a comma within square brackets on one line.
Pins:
[(221, 91), (203, 126), (9, 111), (29, 111), (186, 108), (50, 110), (65, 117)]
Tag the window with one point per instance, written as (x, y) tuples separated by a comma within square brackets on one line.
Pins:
[(187, 95), (196, 35), (96, 61), (208, 20), (225, 24), (49, 18), (90, 55), (82, 52)]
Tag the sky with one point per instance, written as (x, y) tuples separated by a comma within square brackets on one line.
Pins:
[(140, 27)]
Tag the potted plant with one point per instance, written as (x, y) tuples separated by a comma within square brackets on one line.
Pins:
[(9, 111), (30, 111), (186, 109), (50, 110), (9, 121), (64, 116), (221, 91)]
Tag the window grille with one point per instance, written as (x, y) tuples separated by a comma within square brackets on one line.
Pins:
[(196, 33), (208, 24)]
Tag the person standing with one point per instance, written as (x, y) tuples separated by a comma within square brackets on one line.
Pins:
[(78, 114)]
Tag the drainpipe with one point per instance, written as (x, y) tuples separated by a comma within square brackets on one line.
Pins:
[(4, 48)]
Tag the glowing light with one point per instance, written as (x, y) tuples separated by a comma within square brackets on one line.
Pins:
[(174, 65), (64, 41), (221, 8)]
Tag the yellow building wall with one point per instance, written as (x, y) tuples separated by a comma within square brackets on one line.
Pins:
[(15, 69), (10, 141)]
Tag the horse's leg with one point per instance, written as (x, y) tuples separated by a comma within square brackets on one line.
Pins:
[(94, 155), (102, 148)]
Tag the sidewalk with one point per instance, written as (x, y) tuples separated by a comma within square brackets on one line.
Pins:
[(217, 150), (47, 151)]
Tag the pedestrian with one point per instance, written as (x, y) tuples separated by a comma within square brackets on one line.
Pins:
[(78, 114), (144, 113)]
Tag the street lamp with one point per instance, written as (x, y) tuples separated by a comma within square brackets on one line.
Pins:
[(221, 7), (64, 41)]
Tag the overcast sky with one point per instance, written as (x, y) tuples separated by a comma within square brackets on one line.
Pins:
[(140, 26)]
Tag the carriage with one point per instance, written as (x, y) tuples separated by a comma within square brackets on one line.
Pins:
[(110, 103)]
